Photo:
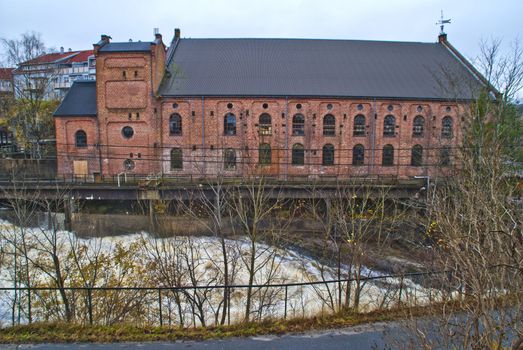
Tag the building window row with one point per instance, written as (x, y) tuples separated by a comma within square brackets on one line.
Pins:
[(298, 156), (329, 125)]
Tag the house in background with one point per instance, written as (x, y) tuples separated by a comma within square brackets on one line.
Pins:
[(6, 80), (6, 92), (52, 74)]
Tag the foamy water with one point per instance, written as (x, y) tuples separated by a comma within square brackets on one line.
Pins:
[(140, 260)]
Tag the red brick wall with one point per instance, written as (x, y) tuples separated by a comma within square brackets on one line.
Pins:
[(66, 149), (202, 143), (247, 139)]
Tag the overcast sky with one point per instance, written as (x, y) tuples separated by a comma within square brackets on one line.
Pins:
[(78, 24)]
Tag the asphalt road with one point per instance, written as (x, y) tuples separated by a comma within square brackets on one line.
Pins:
[(359, 337)]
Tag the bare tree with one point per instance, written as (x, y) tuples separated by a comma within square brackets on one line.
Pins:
[(476, 226), (23, 203), (358, 221), (212, 199), (31, 113), (251, 208)]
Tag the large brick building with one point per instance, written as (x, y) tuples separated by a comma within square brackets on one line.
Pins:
[(279, 107)]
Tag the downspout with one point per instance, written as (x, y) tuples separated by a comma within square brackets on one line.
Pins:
[(160, 146), (98, 146), (429, 134), (204, 151), (286, 137), (373, 137)]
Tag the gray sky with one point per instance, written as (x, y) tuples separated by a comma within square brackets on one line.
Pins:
[(78, 24)]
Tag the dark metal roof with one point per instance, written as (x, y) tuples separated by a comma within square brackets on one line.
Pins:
[(131, 46), (79, 101), (304, 67)]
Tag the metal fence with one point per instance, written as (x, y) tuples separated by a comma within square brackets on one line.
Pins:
[(206, 305)]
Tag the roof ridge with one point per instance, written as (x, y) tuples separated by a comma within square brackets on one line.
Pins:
[(319, 39)]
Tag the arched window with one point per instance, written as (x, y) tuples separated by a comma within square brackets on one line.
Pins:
[(446, 127), (176, 159), (264, 154), (229, 159), (359, 125), (389, 124), (298, 154), (298, 125), (265, 124), (387, 158), (229, 124), (175, 124), (328, 154), (329, 125), (445, 157), (416, 157), (80, 139), (358, 155), (418, 127)]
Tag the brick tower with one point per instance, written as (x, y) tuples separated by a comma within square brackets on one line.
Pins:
[(128, 75)]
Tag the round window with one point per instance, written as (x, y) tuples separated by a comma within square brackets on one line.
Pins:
[(128, 164), (329, 106), (298, 106), (175, 105), (390, 108), (265, 106), (360, 107), (127, 132), (420, 109), (229, 105)]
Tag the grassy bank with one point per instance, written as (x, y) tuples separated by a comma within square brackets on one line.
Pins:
[(68, 332)]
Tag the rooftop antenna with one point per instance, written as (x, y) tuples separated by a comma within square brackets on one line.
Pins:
[(442, 23)]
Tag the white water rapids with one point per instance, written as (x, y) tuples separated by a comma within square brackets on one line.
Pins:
[(140, 260)]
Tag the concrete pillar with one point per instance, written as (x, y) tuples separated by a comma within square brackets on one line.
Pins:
[(152, 217), (68, 211)]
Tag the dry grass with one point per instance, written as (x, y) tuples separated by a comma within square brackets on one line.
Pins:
[(68, 332)]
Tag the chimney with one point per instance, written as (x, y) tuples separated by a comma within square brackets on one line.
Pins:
[(176, 33), (61, 49), (442, 38), (157, 34), (106, 38)]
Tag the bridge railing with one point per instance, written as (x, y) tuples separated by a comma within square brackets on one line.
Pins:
[(148, 181)]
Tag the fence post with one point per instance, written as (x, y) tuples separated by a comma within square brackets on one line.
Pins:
[(90, 305), (29, 315), (285, 309), (401, 290), (160, 305), (450, 280)]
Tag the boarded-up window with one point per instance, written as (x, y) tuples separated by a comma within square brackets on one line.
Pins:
[(264, 154), (298, 154), (176, 159)]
